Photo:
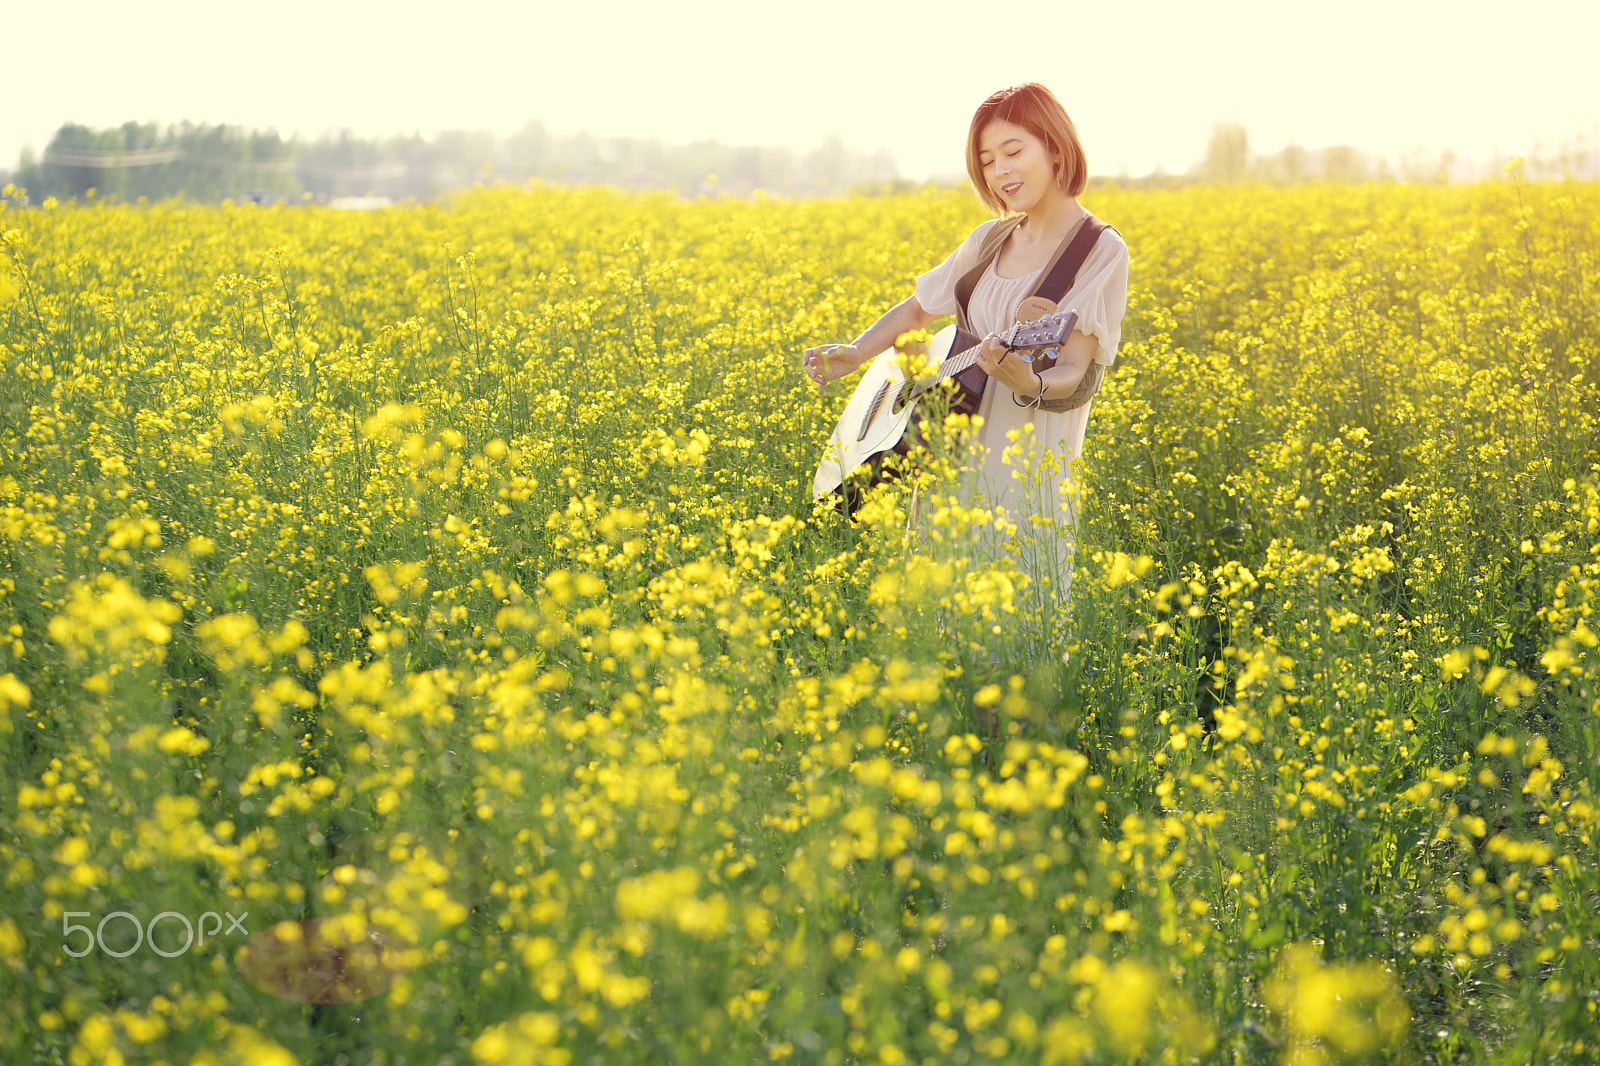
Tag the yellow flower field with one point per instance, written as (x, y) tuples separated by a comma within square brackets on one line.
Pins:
[(442, 584)]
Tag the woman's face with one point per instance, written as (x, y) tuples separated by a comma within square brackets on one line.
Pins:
[(1016, 165)]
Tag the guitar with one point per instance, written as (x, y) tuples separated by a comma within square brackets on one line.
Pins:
[(875, 419)]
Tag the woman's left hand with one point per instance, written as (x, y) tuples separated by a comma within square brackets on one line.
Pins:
[(1007, 367)]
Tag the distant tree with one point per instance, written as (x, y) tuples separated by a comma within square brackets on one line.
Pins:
[(1424, 167), (528, 151), (581, 157), (826, 168), (1292, 163), (65, 170), (763, 168), (1447, 165), (879, 166), (1572, 160), (30, 175), (1228, 153), (1343, 163)]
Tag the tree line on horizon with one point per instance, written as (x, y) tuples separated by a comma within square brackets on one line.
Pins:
[(1229, 159), (214, 162)]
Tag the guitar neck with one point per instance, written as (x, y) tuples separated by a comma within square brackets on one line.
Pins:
[(964, 359), (957, 363)]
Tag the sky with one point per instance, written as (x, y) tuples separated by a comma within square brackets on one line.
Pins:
[(1146, 81)]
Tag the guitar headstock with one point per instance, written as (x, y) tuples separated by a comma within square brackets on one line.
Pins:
[(1047, 332)]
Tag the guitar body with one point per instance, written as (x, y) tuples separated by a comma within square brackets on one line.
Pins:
[(879, 412), (970, 382), (884, 404)]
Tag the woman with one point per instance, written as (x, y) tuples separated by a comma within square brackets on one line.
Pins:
[(1024, 158)]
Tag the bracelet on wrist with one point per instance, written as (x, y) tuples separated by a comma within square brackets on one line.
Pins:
[(1038, 396)]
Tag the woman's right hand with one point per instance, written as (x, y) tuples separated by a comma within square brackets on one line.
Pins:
[(828, 361)]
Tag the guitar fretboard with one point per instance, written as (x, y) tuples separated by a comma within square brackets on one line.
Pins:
[(952, 366), (964, 359)]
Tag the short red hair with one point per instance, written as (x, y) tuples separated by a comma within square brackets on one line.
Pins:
[(1035, 109)]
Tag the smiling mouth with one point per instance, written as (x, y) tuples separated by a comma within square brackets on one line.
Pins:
[(1011, 188)]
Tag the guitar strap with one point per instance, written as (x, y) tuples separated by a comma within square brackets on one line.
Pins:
[(1057, 282), (986, 255)]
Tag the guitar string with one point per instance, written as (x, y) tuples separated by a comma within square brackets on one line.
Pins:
[(949, 367)]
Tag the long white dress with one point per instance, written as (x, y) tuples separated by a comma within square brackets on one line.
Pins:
[(1024, 458)]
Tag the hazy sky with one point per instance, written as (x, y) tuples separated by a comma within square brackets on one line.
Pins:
[(1145, 81)]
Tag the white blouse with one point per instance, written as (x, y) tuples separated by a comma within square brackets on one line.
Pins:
[(1013, 439)]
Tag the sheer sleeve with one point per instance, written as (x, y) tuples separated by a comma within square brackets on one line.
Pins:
[(1100, 295), (936, 290)]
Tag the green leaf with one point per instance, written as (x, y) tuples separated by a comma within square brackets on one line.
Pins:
[(1271, 936)]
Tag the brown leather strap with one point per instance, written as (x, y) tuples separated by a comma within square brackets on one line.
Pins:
[(986, 254), (1058, 282), (1063, 266)]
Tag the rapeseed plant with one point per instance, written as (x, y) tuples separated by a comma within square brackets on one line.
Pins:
[(447, 580)]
